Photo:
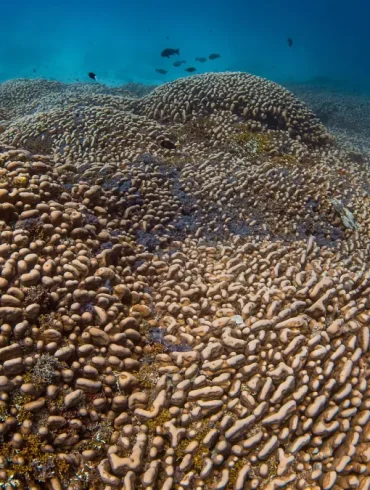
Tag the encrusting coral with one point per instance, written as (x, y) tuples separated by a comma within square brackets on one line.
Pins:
[(193, 317)]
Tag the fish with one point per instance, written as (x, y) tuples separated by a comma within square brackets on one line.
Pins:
[(161, 71), (290, 42), (201, 60), (178, 63), (168, 144), (190, 69), (34, 70), (214, 56), (166, 53), (92, 75)]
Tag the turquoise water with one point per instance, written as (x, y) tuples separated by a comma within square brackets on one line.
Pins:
[(121, 41)]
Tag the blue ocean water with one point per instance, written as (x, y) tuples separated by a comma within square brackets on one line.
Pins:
[(121, 41)]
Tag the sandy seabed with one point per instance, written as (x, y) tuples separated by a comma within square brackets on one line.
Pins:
[(184, 289)]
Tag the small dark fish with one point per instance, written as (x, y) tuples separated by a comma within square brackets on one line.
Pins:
[(167, 37), (201, 60), (161, 71), (92, 75), (168, 144), (166, 53), (214, 56), (34, 70), (290, 42), (178, 63), (190, 69)]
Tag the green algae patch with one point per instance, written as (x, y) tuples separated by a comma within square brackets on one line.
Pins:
[(255, 143), (31, 461)]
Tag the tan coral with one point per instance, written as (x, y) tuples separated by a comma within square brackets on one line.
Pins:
[(199, 323)]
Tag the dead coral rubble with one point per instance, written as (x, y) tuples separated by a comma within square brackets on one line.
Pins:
[(194, 318)]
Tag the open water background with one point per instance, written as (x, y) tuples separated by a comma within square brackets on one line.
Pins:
[(121, 41)]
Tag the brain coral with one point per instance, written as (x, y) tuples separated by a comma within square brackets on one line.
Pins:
[(251, 97)]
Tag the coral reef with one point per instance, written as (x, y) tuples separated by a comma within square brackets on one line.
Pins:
[(94, 130), (187, 318), (345, 112), (23, 96), (260, 102)]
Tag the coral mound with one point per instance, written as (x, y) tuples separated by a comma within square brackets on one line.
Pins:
[(23, 96), (264, 103), (183, 305), (96, 129)]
